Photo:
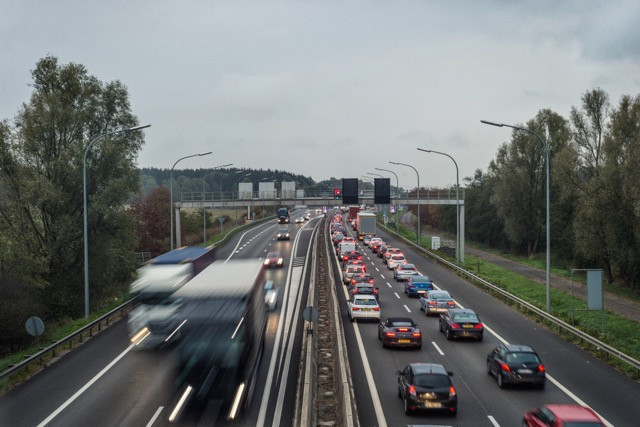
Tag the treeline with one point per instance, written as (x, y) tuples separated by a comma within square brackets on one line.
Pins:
[(595, 195)]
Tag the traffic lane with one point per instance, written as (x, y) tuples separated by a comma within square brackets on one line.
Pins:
[(596, 383), (224, 251), (51, 387), (471, 411)]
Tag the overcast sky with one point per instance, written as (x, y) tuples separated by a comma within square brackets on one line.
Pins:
[(331, 88)]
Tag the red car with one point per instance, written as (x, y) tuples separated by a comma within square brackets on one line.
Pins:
[(273, 259), (562, 415)]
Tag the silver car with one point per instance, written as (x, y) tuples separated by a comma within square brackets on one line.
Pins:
[(403, 271), (436, 301)]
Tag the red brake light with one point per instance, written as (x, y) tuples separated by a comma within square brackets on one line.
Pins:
[(411, 390), (390, 334), (376, 308), (345, 257), (478, 326), (505, 367), (452, 391), (433, 303), (403, 329), (417, 334), (541, 368), (451, 303), (455, 326), (356, 308)]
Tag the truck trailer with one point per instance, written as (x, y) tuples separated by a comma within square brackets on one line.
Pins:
[(353, 212), (365, 224)]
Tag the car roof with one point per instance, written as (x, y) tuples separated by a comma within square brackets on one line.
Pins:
[(407, 266), (518, 348), (273, 254), (461, 310), (428, 368), (419, 279), (400, 319), (573, 412)]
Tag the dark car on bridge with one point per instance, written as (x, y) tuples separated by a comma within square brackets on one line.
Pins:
[(516, 364), (399, 332), (427, 386), (459, 322)]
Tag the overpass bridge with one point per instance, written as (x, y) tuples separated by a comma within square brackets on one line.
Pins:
[(319, 198)]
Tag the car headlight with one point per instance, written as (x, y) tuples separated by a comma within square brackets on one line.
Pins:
[(280, 261), (266, 262)]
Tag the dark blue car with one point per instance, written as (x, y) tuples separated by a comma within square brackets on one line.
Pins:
[(417, 285)]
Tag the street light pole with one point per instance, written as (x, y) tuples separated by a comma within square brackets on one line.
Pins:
[(204, 208), (458, 254), (546, 148), (418, 194), (397, 189), (84, 199), (171, 186)]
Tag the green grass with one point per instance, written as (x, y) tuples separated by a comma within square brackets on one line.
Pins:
[(619, 332)]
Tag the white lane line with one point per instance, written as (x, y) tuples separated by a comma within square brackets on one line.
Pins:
[(437, 348), (407, 308), (396, 294), (388, 284), (493, 421), (377, 269), (85, 387), (382, 275), (153, 419), (265, 250), (237, 252)]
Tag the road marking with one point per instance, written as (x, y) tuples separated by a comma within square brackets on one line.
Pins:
[(388, 284), (396, 294), (265, 250), (405, 306), (377, 269), (153, 419), (437, 348), (86, 386), (493, 421), (382, 275)]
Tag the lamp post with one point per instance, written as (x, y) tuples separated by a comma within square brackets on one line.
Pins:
[(397, 188), (232, 173), (204, 208), (84, 200), (458, 254), (546, 149), (171, 186), (418, 194)]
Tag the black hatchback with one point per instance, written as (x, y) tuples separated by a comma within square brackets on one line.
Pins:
[(461, 322), (427, 386), (516, 364)]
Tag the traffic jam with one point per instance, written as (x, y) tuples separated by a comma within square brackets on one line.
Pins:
[(424, 386)]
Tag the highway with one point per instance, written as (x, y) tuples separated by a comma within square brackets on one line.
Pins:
[(108, 381), (573, 376)]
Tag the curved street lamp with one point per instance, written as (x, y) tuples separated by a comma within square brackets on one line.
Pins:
[(397, 189), (458, 253), (546, 148), (204, 208), (418, 194), (171, 186), (84, 199)]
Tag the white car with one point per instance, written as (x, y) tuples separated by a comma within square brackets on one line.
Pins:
[(270, 295), (364, 307), (394, 260), (299, 220), (402, 271)]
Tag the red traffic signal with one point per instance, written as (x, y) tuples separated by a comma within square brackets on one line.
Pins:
[(336, 193)]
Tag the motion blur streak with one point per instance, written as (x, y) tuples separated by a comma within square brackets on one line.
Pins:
[(180, 404), (142, 334), (237, 327), (236, 402), (174, 332)]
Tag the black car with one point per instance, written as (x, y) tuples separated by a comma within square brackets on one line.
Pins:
[(459, 322), (399, 332), (516, 364), (382, 250), (427, 386), (283, 234)]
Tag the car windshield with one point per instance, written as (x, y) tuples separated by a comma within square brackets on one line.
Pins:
[(397, 257), (422, 285), (439, 295), (284, 231), (273, 255), (521, 358), (396, 324), (369, 301), (431, 381), (354, 270), (465, 317)]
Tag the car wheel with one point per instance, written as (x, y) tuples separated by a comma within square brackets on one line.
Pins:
[(440, 326), (422, 309), (500, 380), (541, 386), (406, 407), (384, 345), (379, 336), (399, 393), (524, 423), (448, 334)]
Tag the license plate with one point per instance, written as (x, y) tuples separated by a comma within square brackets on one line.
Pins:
[(366, 309), (422, 292), (404, 341), (525, 371), (467, 326), (432, 405)]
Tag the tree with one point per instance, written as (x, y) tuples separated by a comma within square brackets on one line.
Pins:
[(41, 159), (152, 221)]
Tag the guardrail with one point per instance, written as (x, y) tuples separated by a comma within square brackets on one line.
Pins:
[(550, 318), (39, 356)]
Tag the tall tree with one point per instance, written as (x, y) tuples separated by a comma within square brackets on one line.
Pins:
[(41, 162)]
